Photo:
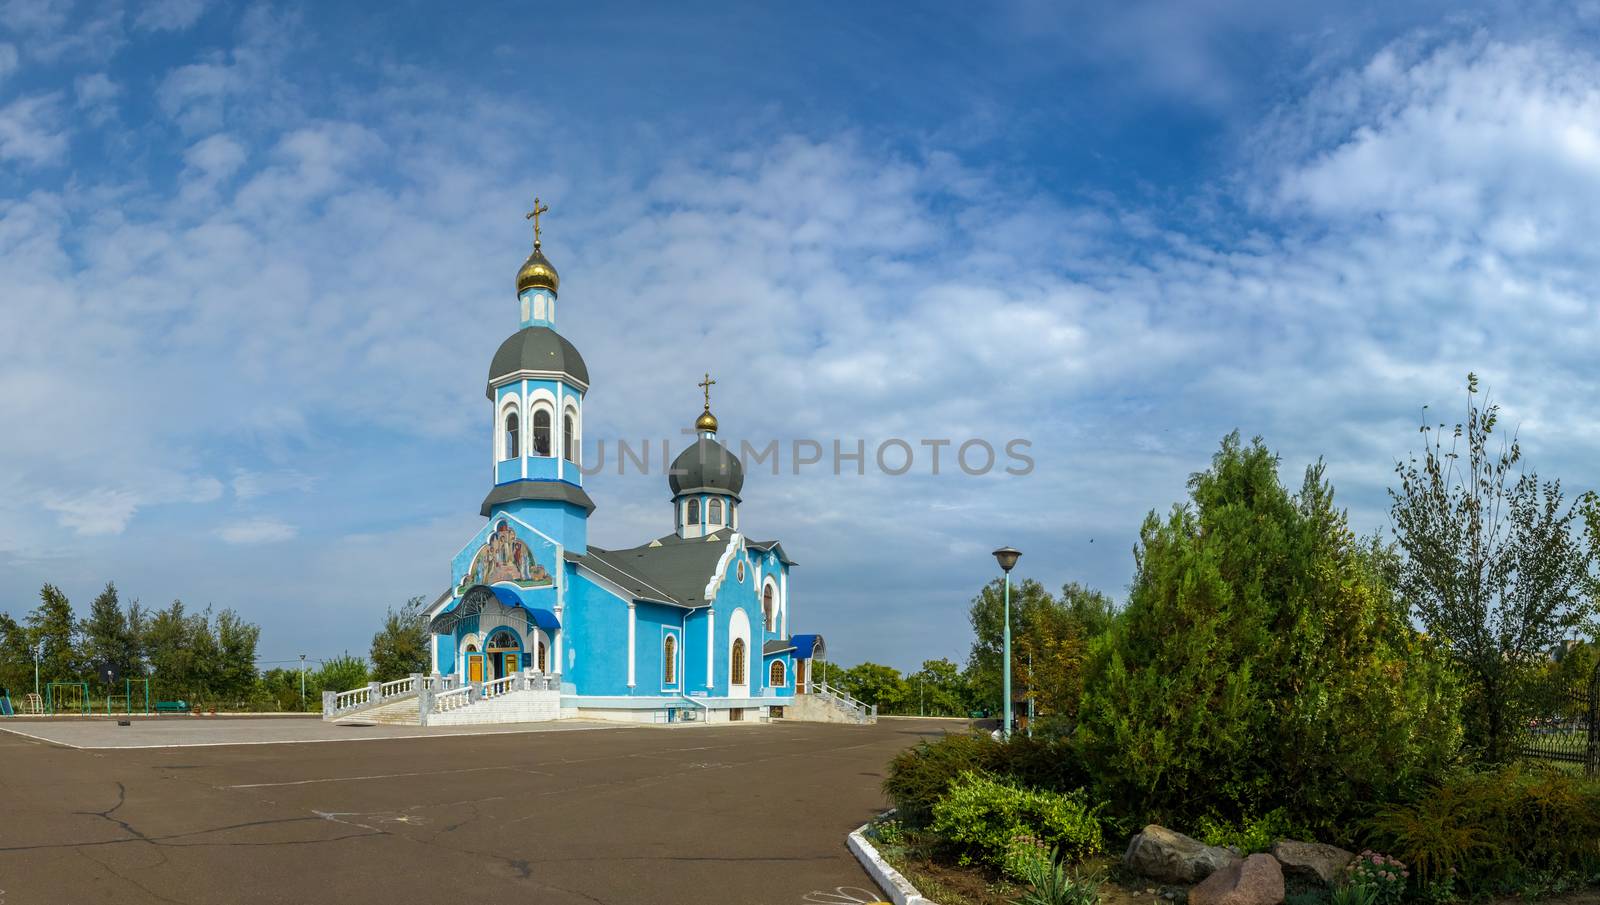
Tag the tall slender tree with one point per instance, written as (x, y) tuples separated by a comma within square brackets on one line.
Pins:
[(400, 648), (108, 640), (1495, 564), (53, 624)]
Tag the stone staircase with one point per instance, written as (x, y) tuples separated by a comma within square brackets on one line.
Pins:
[(823, 703), (403, 712), (440, 701)]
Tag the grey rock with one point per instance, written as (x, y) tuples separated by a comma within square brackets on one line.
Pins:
[(1162, 854), (1312, 862)]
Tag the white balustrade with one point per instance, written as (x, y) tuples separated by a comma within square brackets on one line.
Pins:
[(453, 699), (398, 686), (498, 687), (345, 700)]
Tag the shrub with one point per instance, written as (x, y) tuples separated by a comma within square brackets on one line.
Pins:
[(980, 817), (1349, 894), (1495, 827), (1262, 662), (919, 776), (1252, 834), (1384, 876)]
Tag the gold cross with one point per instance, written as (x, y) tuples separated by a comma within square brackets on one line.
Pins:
[(534, 216), (706, 385)]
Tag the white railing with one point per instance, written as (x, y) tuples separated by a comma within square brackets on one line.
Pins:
[(398, 686), (454, 699), (499, 686), (356, 697), (867, 712)]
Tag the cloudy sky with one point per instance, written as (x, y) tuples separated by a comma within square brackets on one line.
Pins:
[(254, 260)]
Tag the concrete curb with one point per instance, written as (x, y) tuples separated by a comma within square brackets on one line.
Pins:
[(891, 881)]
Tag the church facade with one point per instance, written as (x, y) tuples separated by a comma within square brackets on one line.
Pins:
[(695, 623)]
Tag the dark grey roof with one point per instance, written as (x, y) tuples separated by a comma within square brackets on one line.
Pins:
[(706, 465), (537, 490), (537, 349), (768, 545), (776, 647), (678, 566)]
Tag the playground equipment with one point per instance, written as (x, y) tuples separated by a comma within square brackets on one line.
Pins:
[(5, 705), (128, 698), (33, 705), (60, 697)]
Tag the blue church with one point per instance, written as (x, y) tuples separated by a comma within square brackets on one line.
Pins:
[(694, 623)]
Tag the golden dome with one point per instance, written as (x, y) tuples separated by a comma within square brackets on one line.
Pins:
[(538, 272), (706, 422)]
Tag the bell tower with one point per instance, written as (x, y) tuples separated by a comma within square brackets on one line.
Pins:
[(537, 385)]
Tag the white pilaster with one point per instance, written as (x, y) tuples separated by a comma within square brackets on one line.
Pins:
[(524, 428), (633, 661), (783, 601), (558, 429), (711, 649)]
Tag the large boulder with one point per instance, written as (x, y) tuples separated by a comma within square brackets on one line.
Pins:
[(1257, 880), (1311, 862), (1160, 853)]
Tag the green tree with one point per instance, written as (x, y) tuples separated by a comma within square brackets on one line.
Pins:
[(1262, 662), (16, 659), (235, 675), (177, 668), (874, 683), (108, 640), (53, 624), (987, 617), (1494, 566), (940, 688), (342, 673), (1049, 640), (400, 648)]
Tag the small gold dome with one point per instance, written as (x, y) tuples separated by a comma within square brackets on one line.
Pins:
[(538, 272), (706, 422)]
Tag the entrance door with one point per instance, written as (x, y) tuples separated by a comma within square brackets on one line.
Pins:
[(510, 663), (474, 667), (800, 676)]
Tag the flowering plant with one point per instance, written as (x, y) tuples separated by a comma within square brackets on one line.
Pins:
[(1384, 876)]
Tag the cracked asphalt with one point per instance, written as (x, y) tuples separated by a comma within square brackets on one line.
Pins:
[(735, 814)]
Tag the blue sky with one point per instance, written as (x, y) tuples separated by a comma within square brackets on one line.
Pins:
[(254, 260)]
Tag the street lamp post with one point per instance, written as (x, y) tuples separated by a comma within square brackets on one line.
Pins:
[(302, 683), (38, 653), (1007, 557)]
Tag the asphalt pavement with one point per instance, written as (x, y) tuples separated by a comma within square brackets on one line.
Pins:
[(731, 814)]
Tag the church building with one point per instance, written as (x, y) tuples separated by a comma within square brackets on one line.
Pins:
[(692, 624)]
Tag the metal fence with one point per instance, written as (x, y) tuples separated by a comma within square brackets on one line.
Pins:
[(1564, 724)]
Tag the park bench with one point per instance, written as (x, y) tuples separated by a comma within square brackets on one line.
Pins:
[(172, 707)]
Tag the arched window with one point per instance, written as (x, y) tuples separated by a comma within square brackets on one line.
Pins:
[(569, 437), (669, 660), (691, 512), (714, 512), (541, 656), (737, 666), (776, 676), (513, 444), (541, 432), (768, 610)]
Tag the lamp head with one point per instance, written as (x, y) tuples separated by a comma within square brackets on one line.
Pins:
[(1007, 557)]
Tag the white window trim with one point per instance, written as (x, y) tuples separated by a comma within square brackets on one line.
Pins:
[(676, 635), (779, 662), (548, 407), (510, 405)]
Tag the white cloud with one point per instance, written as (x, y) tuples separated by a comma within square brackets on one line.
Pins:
[(257, 531), (8, 60), (30, 130), (169, 15)]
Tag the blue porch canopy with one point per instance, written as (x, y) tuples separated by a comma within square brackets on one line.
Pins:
[(472, 602), (808, 646)]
